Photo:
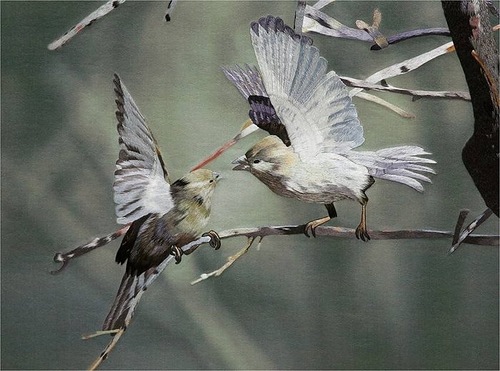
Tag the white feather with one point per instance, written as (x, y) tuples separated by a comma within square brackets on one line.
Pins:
[(315, 107), (140, 185)]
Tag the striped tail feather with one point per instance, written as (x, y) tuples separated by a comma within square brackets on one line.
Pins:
[(398, 164), (129, 293)]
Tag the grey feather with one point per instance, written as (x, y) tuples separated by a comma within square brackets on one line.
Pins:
[(247, 80), (141, 185), (314, 106), (397, 164), (129, 293)]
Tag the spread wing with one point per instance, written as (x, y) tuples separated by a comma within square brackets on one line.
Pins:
[(141, 183), (249, 83), (314, 106)]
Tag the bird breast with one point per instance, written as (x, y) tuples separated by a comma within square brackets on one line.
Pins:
[(324, 179)]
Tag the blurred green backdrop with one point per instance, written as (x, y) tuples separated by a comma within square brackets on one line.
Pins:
[(296, 303)]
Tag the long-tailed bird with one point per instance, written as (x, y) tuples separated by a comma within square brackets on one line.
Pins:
[(164, 217)]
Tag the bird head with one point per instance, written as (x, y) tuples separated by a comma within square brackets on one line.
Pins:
[(268, 156), (198, 184)]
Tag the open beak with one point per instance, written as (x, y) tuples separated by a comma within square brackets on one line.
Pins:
[(241, 163)]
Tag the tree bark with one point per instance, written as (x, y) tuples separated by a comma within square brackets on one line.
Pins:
[(480, 153)]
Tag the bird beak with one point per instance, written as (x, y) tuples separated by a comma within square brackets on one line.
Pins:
[(241, 163)]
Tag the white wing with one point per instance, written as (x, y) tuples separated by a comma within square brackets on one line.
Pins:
[(141, 185), (314, 106)]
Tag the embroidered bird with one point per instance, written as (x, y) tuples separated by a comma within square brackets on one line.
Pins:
[(312, 155), (164, 217)]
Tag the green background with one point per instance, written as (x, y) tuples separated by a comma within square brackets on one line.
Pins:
[(295, 303)]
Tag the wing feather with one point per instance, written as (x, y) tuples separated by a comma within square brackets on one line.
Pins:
[(141, 182), (315, 107)]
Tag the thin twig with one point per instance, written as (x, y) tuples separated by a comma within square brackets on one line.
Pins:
[(230, 261), (107, 350), (461, 95), (460, 223), (87, 21), (373, 98), (406, 66), (64, 258), (299, 16), (470, 228), (394, 39), (319, 22)]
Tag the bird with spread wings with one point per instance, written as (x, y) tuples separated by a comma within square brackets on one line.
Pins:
[(310, 154), (163, 217)]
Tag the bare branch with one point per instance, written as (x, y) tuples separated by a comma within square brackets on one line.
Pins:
[(108, 349), (319, 22), (469, 229), (64, 258), (341, 232), (322, 3), (394, 39), (230, 261), (87, 21), (408, 65), (299, 16), (461, 95), (372, 98), (170, 9)]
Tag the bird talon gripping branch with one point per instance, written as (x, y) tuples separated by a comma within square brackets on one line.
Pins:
[(177, 253), (214, 239)]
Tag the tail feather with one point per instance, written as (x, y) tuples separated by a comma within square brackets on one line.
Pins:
[(129, 293), (397, 164)]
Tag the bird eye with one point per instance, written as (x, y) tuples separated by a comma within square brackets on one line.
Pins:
[(211, 181), (256, 161)]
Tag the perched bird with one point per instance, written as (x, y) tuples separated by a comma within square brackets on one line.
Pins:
[(164, 217), (320, 165)]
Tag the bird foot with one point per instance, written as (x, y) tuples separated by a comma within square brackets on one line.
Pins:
[(177, 253), (214, 239), (362, 233), (312, 225)]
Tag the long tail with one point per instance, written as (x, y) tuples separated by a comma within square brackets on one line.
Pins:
[(397, 164), (129, 293)]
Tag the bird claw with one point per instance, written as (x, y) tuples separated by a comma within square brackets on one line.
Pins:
[(214, 239), (177, 253), (362, 233), (310, 227)]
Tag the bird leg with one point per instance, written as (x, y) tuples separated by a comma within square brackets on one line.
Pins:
[(214, 242), (361, 230), (313, 224)]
